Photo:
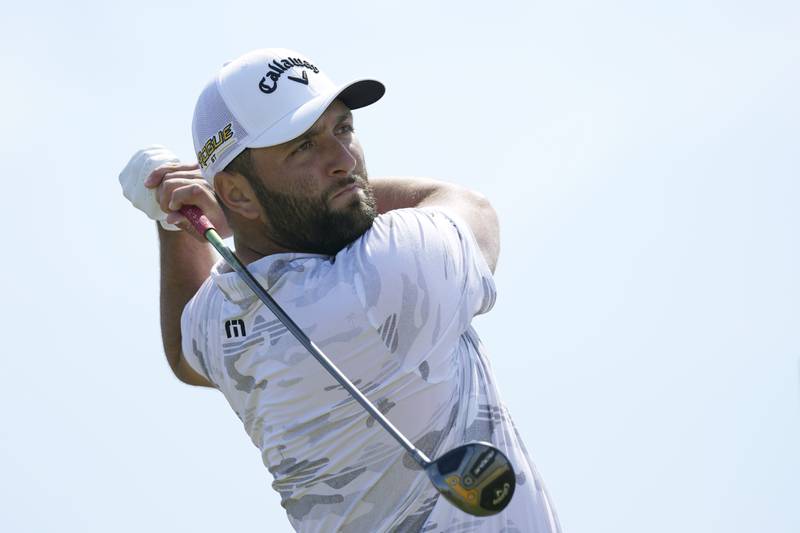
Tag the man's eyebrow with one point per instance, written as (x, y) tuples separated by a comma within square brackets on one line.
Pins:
[(315, 130), (344, 116)]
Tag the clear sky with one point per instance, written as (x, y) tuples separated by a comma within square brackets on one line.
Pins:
[(643, 158)]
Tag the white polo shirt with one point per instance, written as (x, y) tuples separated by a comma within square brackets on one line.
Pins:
[(393, 312)]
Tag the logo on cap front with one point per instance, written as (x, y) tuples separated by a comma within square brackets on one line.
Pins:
[(269, 82)]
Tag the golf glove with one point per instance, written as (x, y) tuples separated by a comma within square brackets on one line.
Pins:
[(132, 178)]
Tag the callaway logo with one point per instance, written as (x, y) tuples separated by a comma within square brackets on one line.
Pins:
[(269, 83), (500, 494)]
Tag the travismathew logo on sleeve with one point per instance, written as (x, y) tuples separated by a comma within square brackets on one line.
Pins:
[(269, 83)]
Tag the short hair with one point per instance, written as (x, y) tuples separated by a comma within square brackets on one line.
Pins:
[(242, 164)]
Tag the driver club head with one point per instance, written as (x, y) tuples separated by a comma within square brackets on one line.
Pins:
[(476, 477)]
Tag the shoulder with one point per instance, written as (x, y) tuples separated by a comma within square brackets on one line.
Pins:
[(424, 238), (403, 244), (412, 256), (413, 231), (201, 300)]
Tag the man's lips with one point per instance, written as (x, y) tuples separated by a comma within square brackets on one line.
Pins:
[(344, 190)]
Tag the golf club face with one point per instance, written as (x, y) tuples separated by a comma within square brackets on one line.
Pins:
[(476, 477)]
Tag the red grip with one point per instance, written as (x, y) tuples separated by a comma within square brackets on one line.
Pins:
[(197, 218)]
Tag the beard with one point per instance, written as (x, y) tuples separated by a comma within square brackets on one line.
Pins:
[(309, 224)]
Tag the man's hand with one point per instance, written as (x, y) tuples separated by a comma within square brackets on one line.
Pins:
[(132, 178), (179, 184), (158, 184)]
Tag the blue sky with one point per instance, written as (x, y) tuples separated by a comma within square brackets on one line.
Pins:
[(643, 160)]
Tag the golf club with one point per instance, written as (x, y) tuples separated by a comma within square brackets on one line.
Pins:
[(475, 477)]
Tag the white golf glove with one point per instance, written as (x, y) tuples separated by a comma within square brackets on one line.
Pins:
[(132, 177)]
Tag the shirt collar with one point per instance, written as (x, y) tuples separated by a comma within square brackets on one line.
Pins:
[(268, 271)]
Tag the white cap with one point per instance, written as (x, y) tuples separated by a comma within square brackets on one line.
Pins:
[(264, 98)]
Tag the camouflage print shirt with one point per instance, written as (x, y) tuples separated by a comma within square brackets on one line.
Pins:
[(393, 312)]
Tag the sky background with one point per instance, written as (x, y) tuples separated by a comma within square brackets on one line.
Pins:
[(642, 156)]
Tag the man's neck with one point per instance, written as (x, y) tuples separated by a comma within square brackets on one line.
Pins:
[(248, 254)]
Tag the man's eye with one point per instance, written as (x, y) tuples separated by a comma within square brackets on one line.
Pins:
[(306, 145), (346, 128)]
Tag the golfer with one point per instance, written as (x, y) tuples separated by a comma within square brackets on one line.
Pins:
[(385, 275)]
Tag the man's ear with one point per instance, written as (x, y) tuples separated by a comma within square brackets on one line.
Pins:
[(236, 193)]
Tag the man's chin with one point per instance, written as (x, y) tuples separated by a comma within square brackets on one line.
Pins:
[(356, 227)]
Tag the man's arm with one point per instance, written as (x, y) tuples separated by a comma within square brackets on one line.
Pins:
[(186, 257), (158, 184), (185, 264), (470, 206)]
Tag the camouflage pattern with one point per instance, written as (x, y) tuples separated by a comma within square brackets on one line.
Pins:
[(393, 312)]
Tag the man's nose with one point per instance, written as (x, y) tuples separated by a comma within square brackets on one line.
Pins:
[(342, 161)]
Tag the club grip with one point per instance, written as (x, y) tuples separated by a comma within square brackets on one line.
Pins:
[(195, 215)]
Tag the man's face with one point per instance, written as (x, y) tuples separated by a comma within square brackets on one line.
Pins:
[(314, 189)]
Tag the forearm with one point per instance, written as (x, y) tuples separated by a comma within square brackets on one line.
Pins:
[(398, 193), (185, 265)]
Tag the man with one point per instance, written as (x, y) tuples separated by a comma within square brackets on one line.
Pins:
[(384, 275)]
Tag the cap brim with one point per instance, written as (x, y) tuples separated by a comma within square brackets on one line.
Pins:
[(354, 95)]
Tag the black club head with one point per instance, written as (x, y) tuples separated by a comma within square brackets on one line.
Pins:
[(476, 477)]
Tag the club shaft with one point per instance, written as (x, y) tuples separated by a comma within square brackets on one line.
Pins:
[(216, 241)]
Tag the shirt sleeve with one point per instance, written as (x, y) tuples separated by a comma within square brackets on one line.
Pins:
[(421, 278), (194, 334)]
